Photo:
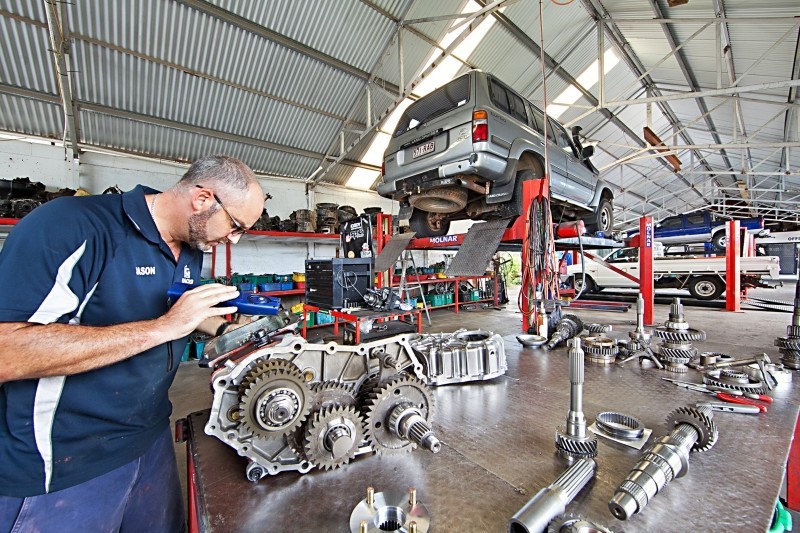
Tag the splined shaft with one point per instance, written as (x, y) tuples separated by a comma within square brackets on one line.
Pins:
[(666, 460), (552, 500), (569, 326), (573, 442)]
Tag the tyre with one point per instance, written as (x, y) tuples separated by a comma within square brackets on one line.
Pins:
[(427, 224), (440, 200), (577, 283), (720, 241), (523, 176), (603, 218), (706, 287)]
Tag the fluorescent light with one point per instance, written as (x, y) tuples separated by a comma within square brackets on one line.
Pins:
[(587, 79)]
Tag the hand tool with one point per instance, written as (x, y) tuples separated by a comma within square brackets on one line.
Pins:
[(725, 397), (701, 387), (727, 408), (736, 362)]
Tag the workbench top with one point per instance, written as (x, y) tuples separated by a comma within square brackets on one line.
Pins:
[(498, 451)]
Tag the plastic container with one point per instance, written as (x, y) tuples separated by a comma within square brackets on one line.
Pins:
[(283, 278), (299, 284), (448, 298), (297, 309), (310, 318), (299, 276), (475, 295), (287, 285), (324, 318), (269, 287), (246, 287)]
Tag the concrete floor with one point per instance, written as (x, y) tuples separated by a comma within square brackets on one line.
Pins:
[(749, 333)]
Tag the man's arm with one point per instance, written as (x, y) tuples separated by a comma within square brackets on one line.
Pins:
[(27, 349)]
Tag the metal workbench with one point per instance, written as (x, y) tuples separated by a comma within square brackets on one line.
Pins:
[(498, 451)]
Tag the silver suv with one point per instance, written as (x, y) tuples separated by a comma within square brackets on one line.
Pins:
[(463, 151)]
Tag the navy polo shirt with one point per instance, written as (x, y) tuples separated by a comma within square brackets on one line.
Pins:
[(93, 261)]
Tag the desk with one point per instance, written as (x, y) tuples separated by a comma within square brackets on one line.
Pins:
[(357, 317), (498, 452)]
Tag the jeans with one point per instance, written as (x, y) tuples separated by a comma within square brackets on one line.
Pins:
[(142, 496)]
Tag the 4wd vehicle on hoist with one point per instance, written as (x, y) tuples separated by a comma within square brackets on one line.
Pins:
[(463, 151)]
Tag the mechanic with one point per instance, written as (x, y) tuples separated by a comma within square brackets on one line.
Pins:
[(89, 347)]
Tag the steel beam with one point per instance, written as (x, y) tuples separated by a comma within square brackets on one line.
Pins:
[(59, 46), (790, 118), (182, 126), (729, 91)]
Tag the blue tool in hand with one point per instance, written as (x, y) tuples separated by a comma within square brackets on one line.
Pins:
[(246, 303)]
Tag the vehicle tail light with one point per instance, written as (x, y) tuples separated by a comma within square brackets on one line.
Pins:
[(480, 126)]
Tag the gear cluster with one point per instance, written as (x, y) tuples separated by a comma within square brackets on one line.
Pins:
[(676, 349), (297, 405)]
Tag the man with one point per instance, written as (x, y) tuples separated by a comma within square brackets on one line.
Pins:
[(89, 347)]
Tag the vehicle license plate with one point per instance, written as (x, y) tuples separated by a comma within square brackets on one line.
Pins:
[(423, 149)]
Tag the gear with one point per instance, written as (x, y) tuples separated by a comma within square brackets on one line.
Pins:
[(331, 394), (672, 354), (678, 368), (258, 367), (733, 376), (570, 523), (276, 401), (598, 342), (788, 342), (382, 400), (670, 335), (597, 328), (756, 388), (700, 421), (574, 447), (332, 436), (793, 331), (601, 359)]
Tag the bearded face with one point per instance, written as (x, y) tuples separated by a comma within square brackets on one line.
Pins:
[(198, 230)]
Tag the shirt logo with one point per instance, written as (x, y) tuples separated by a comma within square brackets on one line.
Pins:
[(146, 271), (187, 275)]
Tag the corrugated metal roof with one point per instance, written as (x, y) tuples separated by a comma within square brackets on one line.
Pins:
[(159, 60)]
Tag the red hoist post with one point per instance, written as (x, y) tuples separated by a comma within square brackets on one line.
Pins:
[(733, 284), (531, 189), (646, 282)]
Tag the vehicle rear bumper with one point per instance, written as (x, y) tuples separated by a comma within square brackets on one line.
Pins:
[(488, 166)]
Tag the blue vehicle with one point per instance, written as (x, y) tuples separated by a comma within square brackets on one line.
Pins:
[(699, 227)]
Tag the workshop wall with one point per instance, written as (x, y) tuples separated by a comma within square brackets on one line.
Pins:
[(45, 162)]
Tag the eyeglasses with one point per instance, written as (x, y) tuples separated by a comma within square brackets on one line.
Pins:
[(238, 229)]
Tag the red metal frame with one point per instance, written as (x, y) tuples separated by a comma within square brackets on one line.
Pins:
[(793, 471), (191, 489), (347, 317), (733, 282), (646, 281)]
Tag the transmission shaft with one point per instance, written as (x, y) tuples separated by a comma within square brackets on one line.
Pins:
[(573, 441), (692, 430)]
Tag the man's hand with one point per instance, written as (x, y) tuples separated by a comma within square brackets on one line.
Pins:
[(195, 306)]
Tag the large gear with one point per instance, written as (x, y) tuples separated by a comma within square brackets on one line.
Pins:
[(258, 367), (382, 400), (332, 436), (700, 421), (754, 386), (275, 402)]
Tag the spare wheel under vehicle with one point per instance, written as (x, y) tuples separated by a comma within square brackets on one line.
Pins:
[(440, 200)]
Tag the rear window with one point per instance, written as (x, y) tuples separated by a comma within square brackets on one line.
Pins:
[(453, 95), (507, 100)]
